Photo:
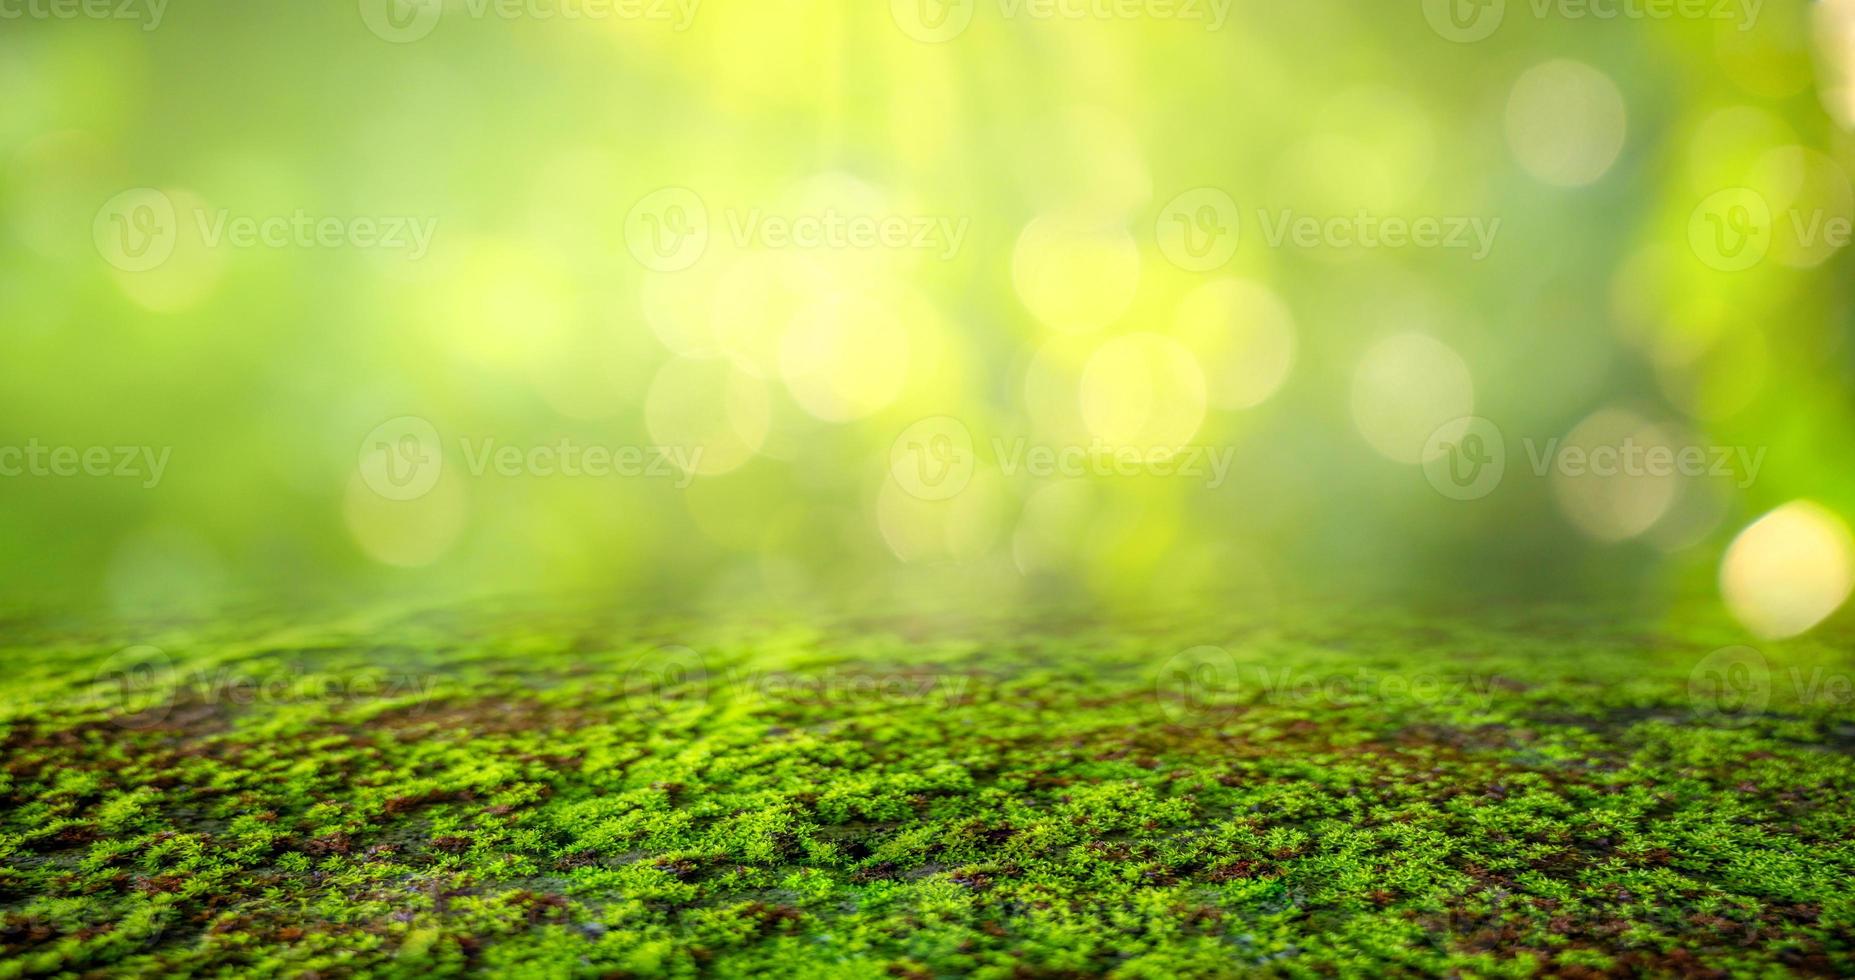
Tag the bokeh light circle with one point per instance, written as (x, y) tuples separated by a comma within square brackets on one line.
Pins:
[(1244, 337), (711, 405), (1143, 390), (1407, 391), (1565, 122), (1075, 274), (1789, 570)]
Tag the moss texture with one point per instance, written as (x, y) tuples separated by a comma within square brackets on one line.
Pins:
[(1314, 792)]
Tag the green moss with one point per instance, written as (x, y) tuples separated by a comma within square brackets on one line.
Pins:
[(546, 792)]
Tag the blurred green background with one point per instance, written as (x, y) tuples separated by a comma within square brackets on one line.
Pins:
[(556, 300)]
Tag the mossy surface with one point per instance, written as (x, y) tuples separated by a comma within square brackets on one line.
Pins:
[(1315, 792)]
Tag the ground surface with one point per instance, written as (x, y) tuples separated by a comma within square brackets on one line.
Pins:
[(1314, 792)]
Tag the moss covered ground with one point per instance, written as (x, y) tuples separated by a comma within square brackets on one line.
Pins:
[(1316, 792)]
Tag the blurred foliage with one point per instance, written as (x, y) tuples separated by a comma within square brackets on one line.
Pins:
[(529, 140)]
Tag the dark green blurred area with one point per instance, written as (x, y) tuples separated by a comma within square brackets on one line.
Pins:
[(528, 142)]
